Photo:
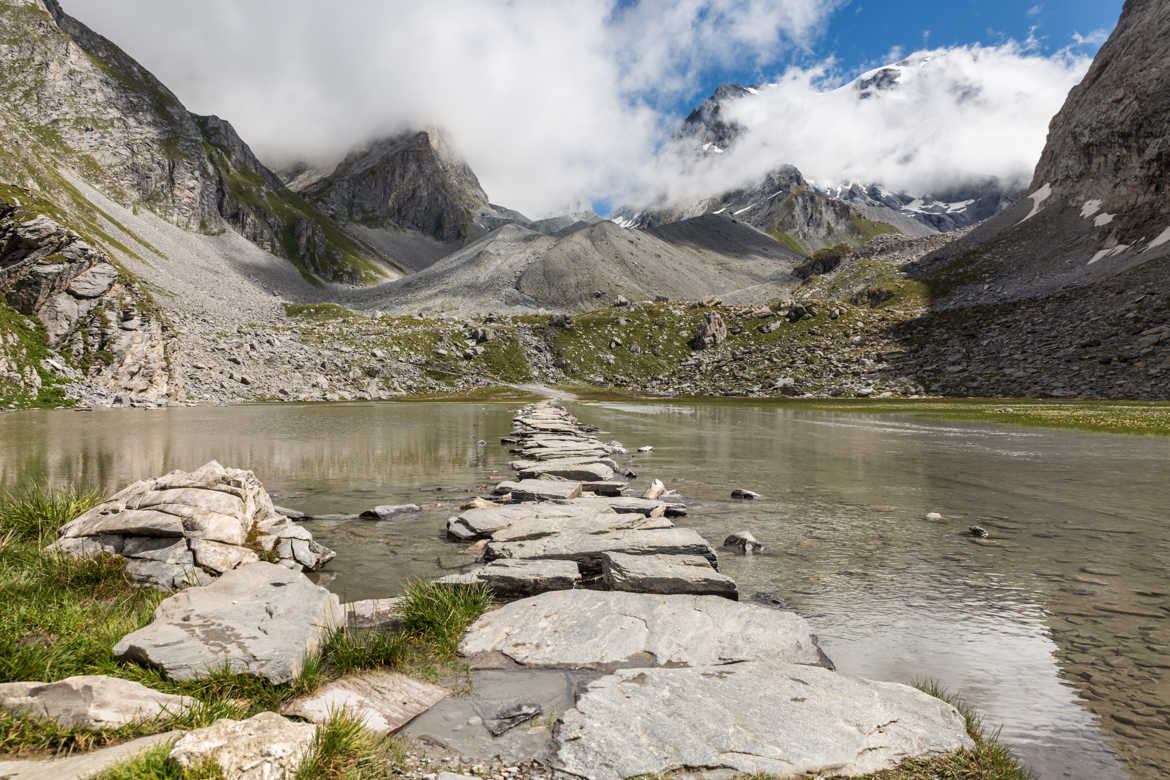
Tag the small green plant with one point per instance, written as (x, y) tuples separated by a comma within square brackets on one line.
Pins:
[(344, 749), (154, 764), (439, 614), (37, 513)]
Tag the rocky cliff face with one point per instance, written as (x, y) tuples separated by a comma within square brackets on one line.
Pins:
[(412, 181), (104, 327), (73, 99)]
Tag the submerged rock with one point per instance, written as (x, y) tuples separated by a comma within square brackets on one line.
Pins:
[(753, 718), (260, 619), (388, 511), (742, 543)]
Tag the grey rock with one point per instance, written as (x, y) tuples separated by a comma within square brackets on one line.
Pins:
[(742, 543), (748, 495), (263, 747), (83, 765), (519, 578), (582, 472), (388, 511), (712, 331), (587, 549), (539, 490), (789, 720), (623, 504), (374, 613), (665, 574), (383, 701), (600, 630), (606, 488), (260, 619), (91, 702), (482, 523), (501, 717)]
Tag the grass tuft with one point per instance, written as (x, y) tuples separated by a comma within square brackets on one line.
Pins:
[(37, 513), (438, 614), (154, 764), (344, 749)]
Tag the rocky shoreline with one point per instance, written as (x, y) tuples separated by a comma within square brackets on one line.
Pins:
[(616, 648)]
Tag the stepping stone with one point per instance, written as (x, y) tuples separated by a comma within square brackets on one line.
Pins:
[(589, 549), (263, 747), (82, 765), (261, 619), (535, 528), (482, 523), (582, 472), (91, 702), (665, 574), (757, 718), (611, 488), (539, 490), (590, 629), (383, 701), (646, 506), (515, 579), (374, 613), (388, 511)]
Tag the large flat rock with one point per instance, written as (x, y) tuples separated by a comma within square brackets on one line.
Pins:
[(82, 765), (581, 472), (260, 619), (665, 574), (91, 701), (575, 629), (647, 506), (762, 717), (263, 747), (383, 701), (482, 523), (587, 549), (539, 489), (535, 528), (519, 578)]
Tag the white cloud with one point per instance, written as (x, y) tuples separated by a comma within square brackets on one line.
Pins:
[(958, 115), (1035, 10), (551, 101), (1095, 38)]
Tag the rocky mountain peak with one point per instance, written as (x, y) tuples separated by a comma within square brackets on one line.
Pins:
[(706, 124)]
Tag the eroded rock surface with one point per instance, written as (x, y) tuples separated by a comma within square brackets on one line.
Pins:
[(383, 701), (757, 717), (592, 629), (186, 528), (513, 579), (260, 619), (665, 574), (91, 702), (263, 747)]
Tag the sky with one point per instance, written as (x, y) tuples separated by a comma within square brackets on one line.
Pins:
[(561, 105)]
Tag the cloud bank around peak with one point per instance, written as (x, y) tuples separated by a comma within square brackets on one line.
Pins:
[(954, 116), (559, 103)]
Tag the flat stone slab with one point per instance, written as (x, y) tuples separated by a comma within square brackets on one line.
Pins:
[(646, 506), (389, 511), (482, 523), (82, 765), (536, 528), (263, 747), (519, 578), (539, 489), (581, 472), (757, 717), (665, 574), (261, 619), (586, 629), (383, 701), (608, 488), (91, 701), (374, 613), (587, 548)]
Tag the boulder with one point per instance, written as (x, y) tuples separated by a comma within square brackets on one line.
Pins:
[(757, 718), (388, 511), (742, 543), (260, 619), (373, 613), (711, 333), (515, 579), (587, 549), (539, 490), (383, 701), (665, 574), (185, 528), (599, 630), (263, 747), (91, 702)]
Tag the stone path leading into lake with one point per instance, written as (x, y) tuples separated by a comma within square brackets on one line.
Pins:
[(636, 650)]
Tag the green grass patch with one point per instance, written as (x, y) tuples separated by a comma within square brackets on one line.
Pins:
[(788, 241), (344, 749), (318, 312), (153, 764), (865, 229)]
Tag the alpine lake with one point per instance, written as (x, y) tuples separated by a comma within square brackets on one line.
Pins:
[(1056, 627)]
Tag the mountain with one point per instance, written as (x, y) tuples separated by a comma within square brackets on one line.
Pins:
[(810, 222), (517, 269), (75, 105)]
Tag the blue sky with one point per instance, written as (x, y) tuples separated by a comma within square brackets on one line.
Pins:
[(862, 33)]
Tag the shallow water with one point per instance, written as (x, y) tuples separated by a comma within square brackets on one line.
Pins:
[(1057, 628)]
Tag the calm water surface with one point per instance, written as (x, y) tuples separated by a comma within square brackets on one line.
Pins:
[(1057, 628)]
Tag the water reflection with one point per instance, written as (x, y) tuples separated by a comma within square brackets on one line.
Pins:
[(1055, 627)]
